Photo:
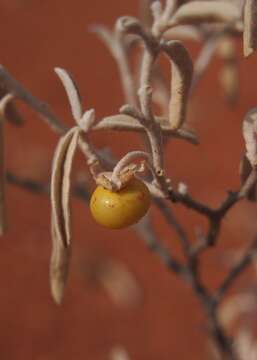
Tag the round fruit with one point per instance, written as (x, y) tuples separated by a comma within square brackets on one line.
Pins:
[(122, 208)]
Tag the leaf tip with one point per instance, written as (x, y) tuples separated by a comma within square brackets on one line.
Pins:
[(248, 51), (57, 291)]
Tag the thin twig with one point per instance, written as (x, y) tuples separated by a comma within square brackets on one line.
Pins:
[(233, 274), (172, 221)]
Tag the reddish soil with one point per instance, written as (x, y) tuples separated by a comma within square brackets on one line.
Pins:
[(168, 324)]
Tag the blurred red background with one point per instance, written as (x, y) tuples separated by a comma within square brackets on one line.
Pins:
[(168, 323)]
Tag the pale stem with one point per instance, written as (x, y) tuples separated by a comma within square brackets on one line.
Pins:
[(155, 139), (124, 122), (145, 90), (88, 151), (87, 120), (145, 96)]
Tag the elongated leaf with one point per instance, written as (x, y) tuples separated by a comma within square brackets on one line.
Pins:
[(250, 27), (206, 11), (249, 133), (184, 32), (59, 267), (244, 171), (60, 201), (182, 73), (127, 123), (229, 77), (72, 92), (119, 122)]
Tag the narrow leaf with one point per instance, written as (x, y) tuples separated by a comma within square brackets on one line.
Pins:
[(229, 72), (60, 201), (127, 123), (182, 73), (59, 268), (244, 171), (249, 133), (206, 11), (72, 93), (184, 32), (250, 27)]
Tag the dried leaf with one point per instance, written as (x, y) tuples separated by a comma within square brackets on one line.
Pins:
[(118, 122), (249, 133), (182, 73), (59, 268), (229, 82), (245, 170), (128, 123), (206, 11), (184, 32), (204, 58), (72, 93), (60, 201), (125, 122), (250, 27), (229, 77)]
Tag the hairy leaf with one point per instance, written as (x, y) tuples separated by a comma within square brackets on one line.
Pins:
[(244, 171), (60, 201), (250, 27), (72, 93), (182, 73), (206, 11), (249, 133)]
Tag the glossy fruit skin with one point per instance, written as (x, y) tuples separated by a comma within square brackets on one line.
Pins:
[(117, 210)]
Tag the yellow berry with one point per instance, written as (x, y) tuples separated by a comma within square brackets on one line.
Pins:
[(122, 208)]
